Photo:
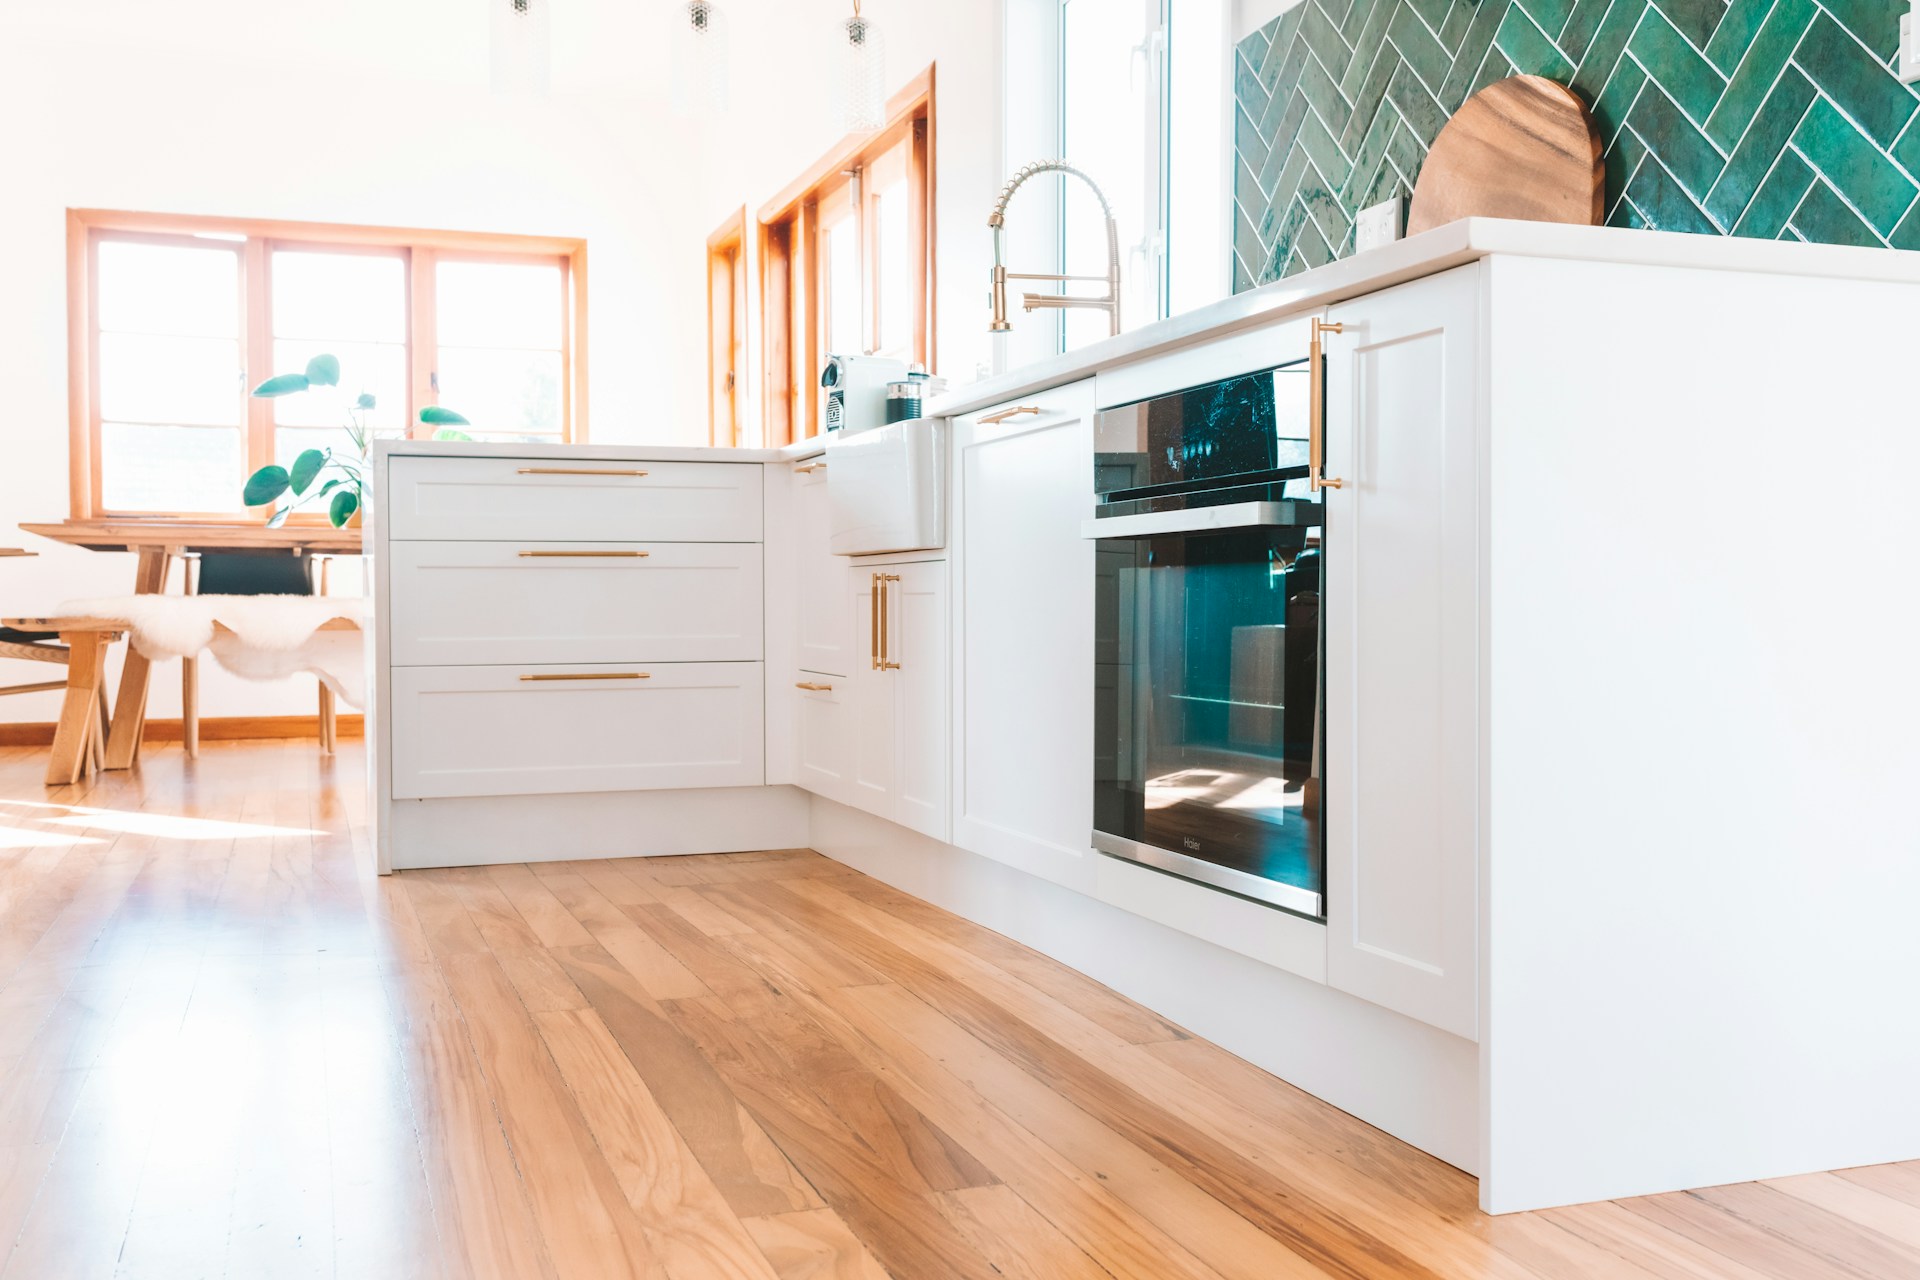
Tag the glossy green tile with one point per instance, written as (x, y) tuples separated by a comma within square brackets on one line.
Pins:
[(1324, 39), (1842, 155), (1906, 152), (1875, 22), (1738, 26), (1421, 51), (1666, 206), (1415, 105), (1323, 151), (1431, 12), (1779, 195), (1858, 85), (1473, 49), (1406, 153), (1623, 159), (1552, 15), (1495, 69), (1825, 218), (1608, 46), (1760, 148), (1694, 19), (1577, 32), (1907, 234), (1616, 100), (1753, 79), (1625, 215), (1685, 152), (1374, 59), (1526, 45), (1677, 66)]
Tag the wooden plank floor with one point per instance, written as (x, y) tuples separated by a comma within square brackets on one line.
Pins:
[(228, 1049)]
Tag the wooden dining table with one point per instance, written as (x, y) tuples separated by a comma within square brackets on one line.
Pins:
[(157, 543)]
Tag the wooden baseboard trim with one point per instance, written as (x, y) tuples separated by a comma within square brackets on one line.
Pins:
[(212, 729)]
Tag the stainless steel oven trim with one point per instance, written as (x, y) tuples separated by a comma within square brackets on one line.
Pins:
[(1270, 892), (1234, 515)]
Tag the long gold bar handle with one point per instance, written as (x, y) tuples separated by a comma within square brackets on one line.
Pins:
[(808, 468), (873, 623), (585, 555), (576, 471), (811, 687), (994, 419), (593, 675), (886, 641), (1317, 407)]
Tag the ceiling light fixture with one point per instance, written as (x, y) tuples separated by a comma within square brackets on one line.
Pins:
[(520, 52), (698, 48), (863, 74)]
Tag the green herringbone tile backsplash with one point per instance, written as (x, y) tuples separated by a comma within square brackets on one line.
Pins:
[(1770, 118)]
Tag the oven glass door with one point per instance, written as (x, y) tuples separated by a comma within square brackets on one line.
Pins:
[(1208, 710)]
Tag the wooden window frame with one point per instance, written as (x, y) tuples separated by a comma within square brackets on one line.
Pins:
[(726, 329), (253, 239), (791, 290)]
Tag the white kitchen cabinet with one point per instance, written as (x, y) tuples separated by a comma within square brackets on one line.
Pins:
[(1024, 664), (878, 740), (486, 731), (457, 499), (824, 629), (1402, 605), (480, 603)]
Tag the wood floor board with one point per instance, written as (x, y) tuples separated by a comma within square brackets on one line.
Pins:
[(227, 1048)]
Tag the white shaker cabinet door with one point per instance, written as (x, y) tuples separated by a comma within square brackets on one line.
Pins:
[(1024, 656), (1402, 608), (871, 692), (916, 654), (824, 635)]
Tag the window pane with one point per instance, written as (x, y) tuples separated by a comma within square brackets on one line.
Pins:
[(177, 289), (500, 304), (197, 469), (896, 272), (290, 442), (1110, 127), (843, 287), (339, 296), (379, 369), (503, 393), (192, 381)]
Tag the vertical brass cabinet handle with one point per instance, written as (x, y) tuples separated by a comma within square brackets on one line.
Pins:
[(993, 419), (1317, 407), (873, 623), (577, 471), (886, 643)]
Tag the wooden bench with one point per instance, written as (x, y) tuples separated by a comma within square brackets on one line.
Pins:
[(80, 739)]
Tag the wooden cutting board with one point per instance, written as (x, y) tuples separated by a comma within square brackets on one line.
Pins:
[(1521, 148)]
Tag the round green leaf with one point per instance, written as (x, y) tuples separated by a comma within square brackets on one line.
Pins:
[(283, 385), (435, 416), (279, 517), (305, 468), (324, 371), (364, 402), (345, 503), (265, 485)]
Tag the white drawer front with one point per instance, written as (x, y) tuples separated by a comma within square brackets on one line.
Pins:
[(481, 731), (822, 733), (478, 603), (513, 499)]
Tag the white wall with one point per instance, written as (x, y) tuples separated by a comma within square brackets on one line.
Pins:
[(363, 111), (783, 117)]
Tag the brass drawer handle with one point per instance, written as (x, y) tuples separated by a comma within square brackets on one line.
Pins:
[(811, 687), (585, 555), (886, 642), (994, 419), (1317, 408), (808, 468), (576, 471), (585, 675)]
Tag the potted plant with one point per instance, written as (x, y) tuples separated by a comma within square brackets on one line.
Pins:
[(318, 473)]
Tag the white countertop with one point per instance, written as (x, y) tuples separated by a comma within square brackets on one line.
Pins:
[(583, 452), (1422, 255)]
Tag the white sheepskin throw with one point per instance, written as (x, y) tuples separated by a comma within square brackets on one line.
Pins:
[(266, 637)]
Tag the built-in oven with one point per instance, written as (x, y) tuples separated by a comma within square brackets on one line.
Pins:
[(1208, 656)]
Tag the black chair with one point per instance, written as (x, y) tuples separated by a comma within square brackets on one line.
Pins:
[(240, 574)]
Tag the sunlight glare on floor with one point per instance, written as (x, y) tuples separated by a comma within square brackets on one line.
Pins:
[(162, 825)]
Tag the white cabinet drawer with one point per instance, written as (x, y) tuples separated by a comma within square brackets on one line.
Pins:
[(477, 603), (823, 733), (482, 731), (523, 499)]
